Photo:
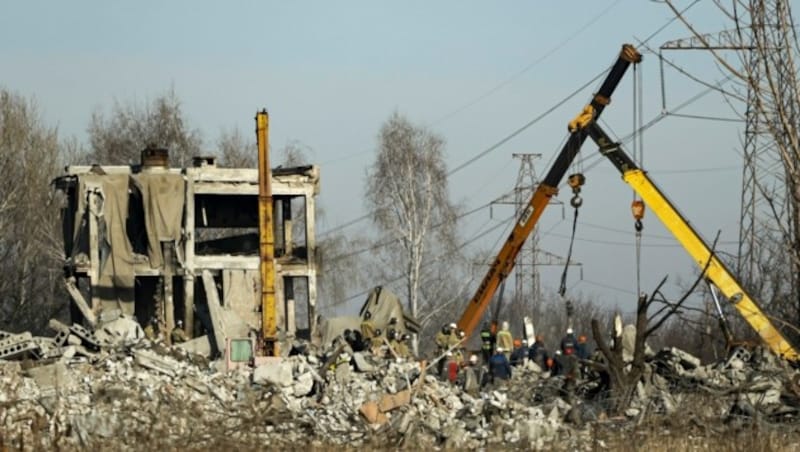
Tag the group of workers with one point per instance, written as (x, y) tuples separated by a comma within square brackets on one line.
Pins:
[(177, 335), (392, 344), (500, 352)]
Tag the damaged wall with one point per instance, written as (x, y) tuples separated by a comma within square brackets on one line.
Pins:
[(137, 238)]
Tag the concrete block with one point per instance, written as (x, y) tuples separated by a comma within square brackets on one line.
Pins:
[(87, 338), (277, 373), (15, 346), (15, 339)]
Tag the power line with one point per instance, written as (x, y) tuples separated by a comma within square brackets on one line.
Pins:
[(527, 125), (527, 68)]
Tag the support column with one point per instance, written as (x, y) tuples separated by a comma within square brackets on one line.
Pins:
[(188, 261), (311, 256), (94, 205), (169, 306)]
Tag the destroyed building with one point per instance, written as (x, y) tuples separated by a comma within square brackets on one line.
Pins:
[(154, 242)]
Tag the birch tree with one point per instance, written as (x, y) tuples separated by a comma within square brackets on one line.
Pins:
[(30, 245), (406, 191)]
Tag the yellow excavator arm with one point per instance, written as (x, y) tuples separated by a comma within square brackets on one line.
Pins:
[(715, 271)]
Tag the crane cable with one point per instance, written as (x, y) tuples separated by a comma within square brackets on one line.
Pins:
[(637, 205)]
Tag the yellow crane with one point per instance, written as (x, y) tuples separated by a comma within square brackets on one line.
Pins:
[(714, 269), (269, 323), (504, 262)]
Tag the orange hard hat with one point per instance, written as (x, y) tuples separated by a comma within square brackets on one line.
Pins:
[(581, 339), (517, 342)]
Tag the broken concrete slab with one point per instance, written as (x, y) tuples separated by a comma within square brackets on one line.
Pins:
[(215, 310), (154, 361), (87, 337), (362, 362), (391, 401), (52, 377), (276, 373), (686, 360), (122, 331), (303, 385), (372, 413), (199, 346)]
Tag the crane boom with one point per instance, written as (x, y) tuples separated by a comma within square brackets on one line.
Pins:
[(715, 270), (504, 262)]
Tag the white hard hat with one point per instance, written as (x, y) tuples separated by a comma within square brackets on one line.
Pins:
[(558, 352), (505, 325), (500, 350), (473, 359), (524, 342), (453, 325), (569, 330)]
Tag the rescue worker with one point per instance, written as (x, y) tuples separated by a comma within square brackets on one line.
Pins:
[(582, 353), (441, 346), (499, 367), (455, 343), (442, 338), (487, 342), (569, 342), (392, 339), (453, 366), (556, 364), (367, 327), (538, 352), (469, 377), (376, 342), (401, 347), (505, 340), (520, 353), (178, 335), (453, 338), (151, 330), (582, 349)]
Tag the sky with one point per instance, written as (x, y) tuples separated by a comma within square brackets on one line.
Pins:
[(472, 71)]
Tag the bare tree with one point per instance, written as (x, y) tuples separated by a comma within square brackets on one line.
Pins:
[(236, 151), (406, 189), (30, 245), (620, 374), (765, 64), (119, 138)]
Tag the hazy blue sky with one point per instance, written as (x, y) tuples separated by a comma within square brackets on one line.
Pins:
[(331, 72)]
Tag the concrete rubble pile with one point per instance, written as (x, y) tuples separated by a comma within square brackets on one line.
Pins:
[(112, 388)]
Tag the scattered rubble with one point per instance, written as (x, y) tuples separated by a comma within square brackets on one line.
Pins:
[(114, 388)]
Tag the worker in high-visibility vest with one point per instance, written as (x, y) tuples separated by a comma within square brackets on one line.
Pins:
[(505, 340)]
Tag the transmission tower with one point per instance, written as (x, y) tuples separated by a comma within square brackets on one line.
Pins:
[(765, 190), (526, 271)]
